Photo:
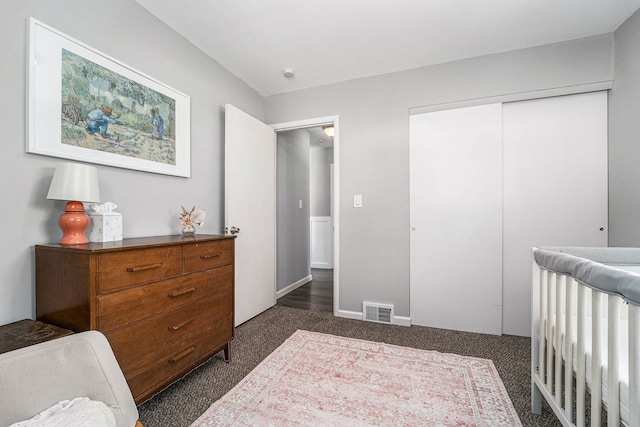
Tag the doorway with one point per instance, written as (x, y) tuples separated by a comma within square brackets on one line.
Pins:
[(306, 147)]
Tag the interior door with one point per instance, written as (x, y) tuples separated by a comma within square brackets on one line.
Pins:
[(250, 210), (456, 219)]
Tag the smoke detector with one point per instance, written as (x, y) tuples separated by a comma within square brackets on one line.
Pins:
[(288, 73)]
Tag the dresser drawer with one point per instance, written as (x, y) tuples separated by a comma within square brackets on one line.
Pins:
[(170, 361), (121, 270), (131, 305), (138, 342), (203, 255)]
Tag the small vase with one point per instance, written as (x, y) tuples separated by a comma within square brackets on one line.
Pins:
[(189, 231)]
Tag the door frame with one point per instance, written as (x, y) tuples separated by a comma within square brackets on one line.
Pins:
[(315, 122)]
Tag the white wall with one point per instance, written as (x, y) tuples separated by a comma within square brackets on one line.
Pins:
[(624, 137), (374, 146), (150, 203)]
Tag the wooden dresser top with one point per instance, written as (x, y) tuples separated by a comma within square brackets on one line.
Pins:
[(138, 242)]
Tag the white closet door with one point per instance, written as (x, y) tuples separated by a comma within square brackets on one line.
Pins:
[(555, 187), (456, 219)]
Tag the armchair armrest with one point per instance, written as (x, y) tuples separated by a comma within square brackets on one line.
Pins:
[(80, 365)]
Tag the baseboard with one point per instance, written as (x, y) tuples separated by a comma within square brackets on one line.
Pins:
[(293, 286), (349, 314), (397, 320), (402, 321), (322, 265)]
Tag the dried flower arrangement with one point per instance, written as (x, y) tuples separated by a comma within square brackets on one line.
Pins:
[(188, 219)]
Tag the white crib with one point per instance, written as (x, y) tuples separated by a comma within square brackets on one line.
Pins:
[(585, 333)]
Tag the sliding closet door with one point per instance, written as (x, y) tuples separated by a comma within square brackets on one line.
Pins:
[(555, 187), (456, 219)]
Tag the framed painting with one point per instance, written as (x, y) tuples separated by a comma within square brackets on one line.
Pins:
[(87, 106)]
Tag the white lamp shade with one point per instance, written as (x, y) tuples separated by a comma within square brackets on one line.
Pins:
[(74, 181)]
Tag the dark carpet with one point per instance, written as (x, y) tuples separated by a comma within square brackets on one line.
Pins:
[(185, 400)]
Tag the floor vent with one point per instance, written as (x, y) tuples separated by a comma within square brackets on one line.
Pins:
[(381, 313)]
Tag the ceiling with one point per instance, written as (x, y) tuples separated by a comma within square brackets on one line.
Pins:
[(329, 41)]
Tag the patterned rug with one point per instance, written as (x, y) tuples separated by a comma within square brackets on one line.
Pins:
[(316, 379)]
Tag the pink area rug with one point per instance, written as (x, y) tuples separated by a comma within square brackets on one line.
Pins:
[(315, 379)]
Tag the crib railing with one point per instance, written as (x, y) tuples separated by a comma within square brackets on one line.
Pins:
[(569, 313)]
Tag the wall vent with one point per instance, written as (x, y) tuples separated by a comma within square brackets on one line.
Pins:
[(380, 313)]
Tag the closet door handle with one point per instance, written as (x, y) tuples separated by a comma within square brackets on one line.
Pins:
[(144, 267)]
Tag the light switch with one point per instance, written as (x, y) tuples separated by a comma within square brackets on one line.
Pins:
[(357, 201), (300, 204)]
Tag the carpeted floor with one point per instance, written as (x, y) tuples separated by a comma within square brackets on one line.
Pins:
[(184, 401)]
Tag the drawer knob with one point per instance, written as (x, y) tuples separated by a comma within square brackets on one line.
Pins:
[(210, 256), (144, 267), (182, 355), (181, 292), (181, 325)]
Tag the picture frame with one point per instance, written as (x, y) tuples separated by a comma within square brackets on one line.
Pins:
[(87, 106)]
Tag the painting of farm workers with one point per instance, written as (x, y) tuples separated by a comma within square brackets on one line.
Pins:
[(157, 125), (98, 120), (105, 111)]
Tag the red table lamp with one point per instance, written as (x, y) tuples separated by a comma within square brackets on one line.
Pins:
[(76, 183)]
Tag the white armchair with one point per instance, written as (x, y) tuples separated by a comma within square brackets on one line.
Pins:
[(37, 377)]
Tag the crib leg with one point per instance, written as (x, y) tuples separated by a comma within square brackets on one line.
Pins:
[(536, 399)]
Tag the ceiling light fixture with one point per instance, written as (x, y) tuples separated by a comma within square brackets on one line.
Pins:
[(288, 73), (328, 130)]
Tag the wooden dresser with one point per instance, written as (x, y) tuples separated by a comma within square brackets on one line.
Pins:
[(164, 303)]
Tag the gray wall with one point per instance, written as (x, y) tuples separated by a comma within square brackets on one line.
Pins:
[(292, 185), (624, 137), (321, 159), (374, 147), (150, 203)]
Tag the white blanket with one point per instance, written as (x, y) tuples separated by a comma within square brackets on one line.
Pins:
[(80, 411)]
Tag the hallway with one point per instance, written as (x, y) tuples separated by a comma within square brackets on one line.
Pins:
[(317, 295)]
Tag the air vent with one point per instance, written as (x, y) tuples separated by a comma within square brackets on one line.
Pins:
[(380, 313)]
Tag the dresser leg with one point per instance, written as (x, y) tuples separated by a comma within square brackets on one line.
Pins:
[(227, 356)]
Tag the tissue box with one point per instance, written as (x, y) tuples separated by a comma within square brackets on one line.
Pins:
[(105, 227)]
